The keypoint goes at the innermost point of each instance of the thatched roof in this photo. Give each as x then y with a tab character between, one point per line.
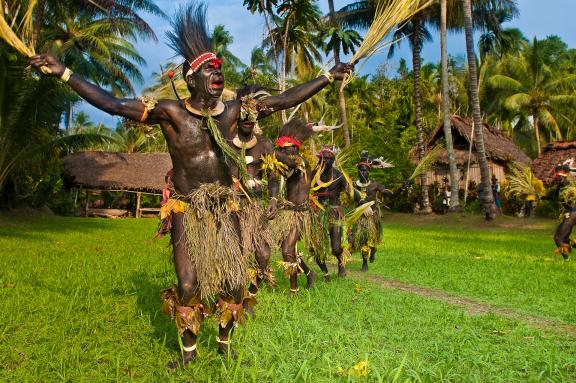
497	144
553	154
118	171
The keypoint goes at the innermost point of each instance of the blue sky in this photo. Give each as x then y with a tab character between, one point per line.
538	18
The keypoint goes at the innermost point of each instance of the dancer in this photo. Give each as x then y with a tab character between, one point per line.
367	231
203	208
329	184
294	222
564	243
255	147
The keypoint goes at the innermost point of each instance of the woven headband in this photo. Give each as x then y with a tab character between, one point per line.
198	61
284	141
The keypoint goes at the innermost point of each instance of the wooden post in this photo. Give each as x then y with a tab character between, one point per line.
138	198
86	205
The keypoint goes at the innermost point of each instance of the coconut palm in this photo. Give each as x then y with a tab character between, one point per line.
360	15
295	33
486	190
532	88
345	40
453	169
221	39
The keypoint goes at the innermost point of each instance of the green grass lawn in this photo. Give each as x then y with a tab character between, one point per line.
80	302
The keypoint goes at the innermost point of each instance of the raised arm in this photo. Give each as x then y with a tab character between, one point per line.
303	92
384	191
98	97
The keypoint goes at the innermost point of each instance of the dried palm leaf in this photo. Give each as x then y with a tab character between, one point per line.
427	161
354	215
18	37
388	15
521	182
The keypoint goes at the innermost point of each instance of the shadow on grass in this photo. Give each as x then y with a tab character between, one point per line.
147	290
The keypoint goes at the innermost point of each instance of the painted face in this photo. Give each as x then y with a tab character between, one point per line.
246	127
363	173
208	79
327	159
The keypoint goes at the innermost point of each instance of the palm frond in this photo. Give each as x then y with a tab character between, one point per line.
427	161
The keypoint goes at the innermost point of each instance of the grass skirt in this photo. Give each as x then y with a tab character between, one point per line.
256	232
367	231
212	240
288	217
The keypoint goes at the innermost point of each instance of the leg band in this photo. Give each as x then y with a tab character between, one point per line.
189	349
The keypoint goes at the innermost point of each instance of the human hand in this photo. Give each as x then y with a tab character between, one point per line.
340	70
47	64
406	185
272	208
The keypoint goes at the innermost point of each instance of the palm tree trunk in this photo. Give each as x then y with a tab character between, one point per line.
416	48
454	189
341	98
285	66
38	18
485	186
537	134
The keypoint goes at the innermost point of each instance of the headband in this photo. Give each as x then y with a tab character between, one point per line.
203	58
285	141
363	163
328	151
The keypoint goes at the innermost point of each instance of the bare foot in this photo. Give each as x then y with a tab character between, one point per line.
341	271
326	278
310	279
226	349
292	293
187	358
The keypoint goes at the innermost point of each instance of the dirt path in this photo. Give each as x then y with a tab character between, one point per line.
471	306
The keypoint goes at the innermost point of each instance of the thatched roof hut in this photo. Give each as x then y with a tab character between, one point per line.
500	150
553	154
136	172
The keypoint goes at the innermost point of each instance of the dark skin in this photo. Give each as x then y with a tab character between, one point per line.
297	191
371	191
254	168
195	157
564	230
330	196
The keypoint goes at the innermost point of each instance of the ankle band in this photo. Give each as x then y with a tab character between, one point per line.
189	349
222	341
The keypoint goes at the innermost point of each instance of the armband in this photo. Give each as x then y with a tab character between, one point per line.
149	105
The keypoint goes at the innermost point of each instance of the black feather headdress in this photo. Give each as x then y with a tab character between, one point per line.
297	129
189	36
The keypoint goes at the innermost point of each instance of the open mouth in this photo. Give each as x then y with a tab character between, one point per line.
217	84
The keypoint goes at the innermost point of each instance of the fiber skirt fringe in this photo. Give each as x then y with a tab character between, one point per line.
290	216
367	231
319	242
213	240
256	232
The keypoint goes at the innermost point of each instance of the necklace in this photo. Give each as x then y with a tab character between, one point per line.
218	109
362	185
241	144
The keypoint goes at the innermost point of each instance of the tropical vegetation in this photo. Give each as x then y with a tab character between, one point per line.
524	88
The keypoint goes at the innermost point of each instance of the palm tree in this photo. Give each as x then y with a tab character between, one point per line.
360	15
532	88
486	190
295	34
221	39
453	169
346	40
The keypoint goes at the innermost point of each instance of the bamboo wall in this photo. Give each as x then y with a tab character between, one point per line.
441	171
